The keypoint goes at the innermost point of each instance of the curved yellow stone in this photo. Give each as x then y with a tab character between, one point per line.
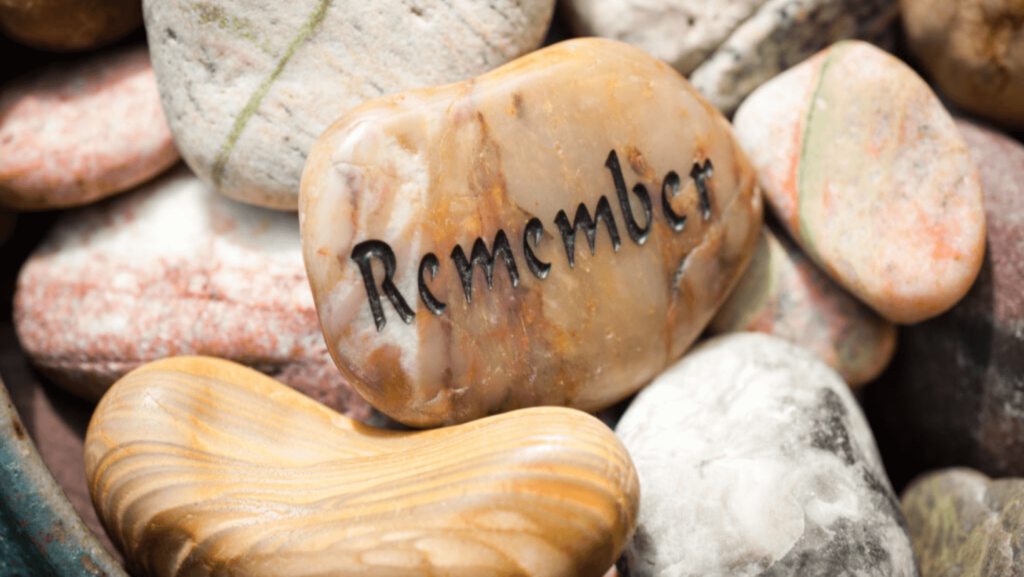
554	232
200	466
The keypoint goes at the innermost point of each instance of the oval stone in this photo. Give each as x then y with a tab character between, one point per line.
555	232
755	459
174	268
866	170
963	523
69	24
784	294
249	86
74	133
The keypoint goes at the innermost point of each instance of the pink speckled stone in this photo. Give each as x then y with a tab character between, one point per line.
72	134
174	269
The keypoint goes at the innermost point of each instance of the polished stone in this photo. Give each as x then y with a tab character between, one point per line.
449	239
754	459
784	294
866	170
69	25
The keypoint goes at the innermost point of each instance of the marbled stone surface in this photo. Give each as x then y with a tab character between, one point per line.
172	269
963	523
784	294
974	50
755	460
866	170
272	484
69	24
248	87
955	394
74	133
555	232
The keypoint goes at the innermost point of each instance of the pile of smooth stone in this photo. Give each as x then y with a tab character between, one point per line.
412	244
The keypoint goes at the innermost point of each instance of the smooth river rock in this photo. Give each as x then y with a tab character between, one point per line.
955	393
784	294
248	87
173	269
965	524
69	25
866	170
273	484
755	460
974	50
74	133
555	232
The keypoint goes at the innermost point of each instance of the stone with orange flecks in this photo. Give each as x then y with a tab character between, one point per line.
75	133
868	173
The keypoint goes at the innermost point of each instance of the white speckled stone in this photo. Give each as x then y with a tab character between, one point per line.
248	86
754	459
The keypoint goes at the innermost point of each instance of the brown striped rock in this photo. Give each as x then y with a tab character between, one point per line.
249	86
784	294
866	170
67	25
170	269
75	133
555	232
201	466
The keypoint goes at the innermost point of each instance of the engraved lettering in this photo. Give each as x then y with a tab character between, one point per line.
700	175
533	233
485	259
363	254
669	189
430	264
639	235
589	226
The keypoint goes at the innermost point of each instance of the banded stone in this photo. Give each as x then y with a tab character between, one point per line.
555	232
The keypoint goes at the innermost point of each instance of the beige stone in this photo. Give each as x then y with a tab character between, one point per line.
465	196
68	25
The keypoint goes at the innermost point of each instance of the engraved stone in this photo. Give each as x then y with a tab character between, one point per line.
554	232
784	294
74	133
754	459
963	523
249	86
866	170
174	268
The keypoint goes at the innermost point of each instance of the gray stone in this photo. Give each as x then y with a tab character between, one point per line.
754	459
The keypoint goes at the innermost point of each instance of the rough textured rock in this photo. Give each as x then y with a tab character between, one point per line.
754	459
782	34
485	197
248	87
174	269
955	392
69	24
73	133
784	294
866	170
733	46
974	49
963	523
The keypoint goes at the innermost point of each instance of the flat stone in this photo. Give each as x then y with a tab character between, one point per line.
74	133
174	269
955	394
754	459
963	523
974	50
249	87
69	25
784	294
866	170
448	238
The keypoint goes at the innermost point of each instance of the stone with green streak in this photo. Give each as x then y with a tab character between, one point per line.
965	524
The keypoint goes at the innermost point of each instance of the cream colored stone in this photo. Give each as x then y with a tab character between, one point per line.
249	86
458	170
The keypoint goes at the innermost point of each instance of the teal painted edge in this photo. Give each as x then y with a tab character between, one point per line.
40	532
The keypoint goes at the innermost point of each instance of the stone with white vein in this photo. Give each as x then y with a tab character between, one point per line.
754	459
